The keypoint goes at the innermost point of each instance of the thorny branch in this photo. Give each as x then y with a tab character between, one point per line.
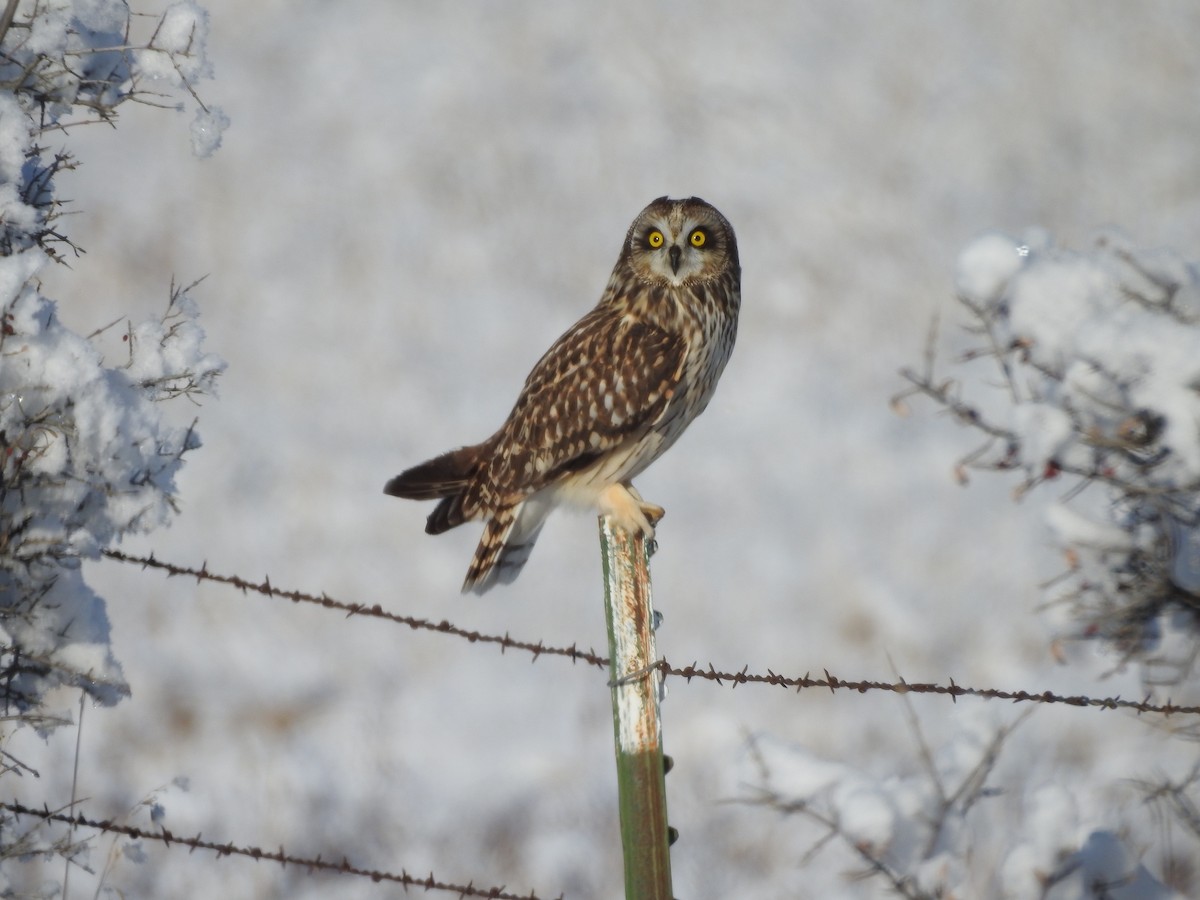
540	648
1175	796
880	860
342	867
902	884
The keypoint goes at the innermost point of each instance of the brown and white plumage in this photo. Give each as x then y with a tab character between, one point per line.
606	400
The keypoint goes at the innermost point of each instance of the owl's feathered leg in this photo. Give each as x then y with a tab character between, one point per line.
507	541
625	506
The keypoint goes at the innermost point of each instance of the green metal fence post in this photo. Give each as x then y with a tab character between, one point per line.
645	837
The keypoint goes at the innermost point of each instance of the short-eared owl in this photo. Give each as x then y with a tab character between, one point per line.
606	400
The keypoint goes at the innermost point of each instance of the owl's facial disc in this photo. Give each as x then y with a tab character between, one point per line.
675	251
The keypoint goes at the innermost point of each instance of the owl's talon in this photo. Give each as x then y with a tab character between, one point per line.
652	513
643	525
622	504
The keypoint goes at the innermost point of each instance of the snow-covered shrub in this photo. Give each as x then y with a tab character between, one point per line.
1093	383
945	830
87	452
87	457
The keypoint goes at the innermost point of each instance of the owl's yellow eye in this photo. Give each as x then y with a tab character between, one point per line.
698	237
655	239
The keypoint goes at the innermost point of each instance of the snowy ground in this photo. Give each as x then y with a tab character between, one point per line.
411	203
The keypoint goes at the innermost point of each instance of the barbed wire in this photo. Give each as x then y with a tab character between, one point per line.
830	681
952	690
505	642
281	856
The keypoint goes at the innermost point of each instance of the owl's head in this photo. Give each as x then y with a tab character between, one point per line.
680	242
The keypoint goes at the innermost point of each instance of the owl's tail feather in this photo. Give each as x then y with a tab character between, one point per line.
508	536
444	477
507	541
438	477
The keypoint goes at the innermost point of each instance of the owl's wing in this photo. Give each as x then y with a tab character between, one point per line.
606	381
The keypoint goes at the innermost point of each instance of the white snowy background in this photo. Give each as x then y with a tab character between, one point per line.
412	201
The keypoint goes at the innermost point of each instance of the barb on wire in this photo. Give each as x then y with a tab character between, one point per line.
342	867
733	679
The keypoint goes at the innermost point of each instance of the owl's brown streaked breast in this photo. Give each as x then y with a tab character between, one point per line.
706	315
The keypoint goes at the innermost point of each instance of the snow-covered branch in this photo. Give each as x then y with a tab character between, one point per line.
1094	384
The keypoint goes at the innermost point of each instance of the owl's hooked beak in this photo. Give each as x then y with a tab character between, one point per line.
674	253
